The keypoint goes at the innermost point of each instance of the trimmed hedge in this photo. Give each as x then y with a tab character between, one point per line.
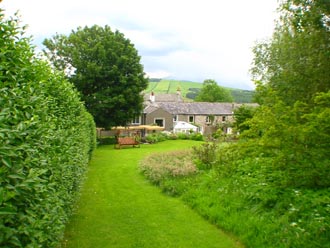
46	140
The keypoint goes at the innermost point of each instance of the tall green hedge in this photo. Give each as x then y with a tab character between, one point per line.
46	140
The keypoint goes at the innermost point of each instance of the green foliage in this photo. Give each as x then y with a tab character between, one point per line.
212	92
242	96
162	136
105	68
107	140
294	64
183	136
186	136
241	185
196	136
241	116
205	154
193	93
153	138
293	68
296	139
46	141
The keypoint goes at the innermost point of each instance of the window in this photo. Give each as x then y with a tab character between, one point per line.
160	122
223	118
136	120
191	119
208	119
175	118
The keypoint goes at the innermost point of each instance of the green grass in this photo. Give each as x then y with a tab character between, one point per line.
171	86
119	208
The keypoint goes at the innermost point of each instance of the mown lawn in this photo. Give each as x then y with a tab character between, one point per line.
118	207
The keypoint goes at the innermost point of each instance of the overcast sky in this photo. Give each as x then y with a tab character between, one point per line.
180	39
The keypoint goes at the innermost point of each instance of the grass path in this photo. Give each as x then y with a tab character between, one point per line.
119	208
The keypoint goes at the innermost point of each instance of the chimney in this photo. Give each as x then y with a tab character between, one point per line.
178	93
152	97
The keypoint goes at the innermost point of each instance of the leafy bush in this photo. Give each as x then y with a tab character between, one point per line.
205	154
107	141
296	139
46	141
151	138
172	136
158	137
183	136
196	136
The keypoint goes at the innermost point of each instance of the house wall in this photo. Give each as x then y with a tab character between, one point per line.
201	119
160	114
208	128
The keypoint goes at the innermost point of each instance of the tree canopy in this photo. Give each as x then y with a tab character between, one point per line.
242	115
212	92
295	64
105	68
293	87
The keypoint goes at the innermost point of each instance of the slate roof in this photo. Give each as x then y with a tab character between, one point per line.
150	108
192	108
173	104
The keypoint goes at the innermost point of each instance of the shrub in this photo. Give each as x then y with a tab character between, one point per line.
107	141
205	154
183	136
46	141
151	138
197	137
172	136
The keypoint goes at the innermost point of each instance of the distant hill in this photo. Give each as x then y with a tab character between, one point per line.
189	90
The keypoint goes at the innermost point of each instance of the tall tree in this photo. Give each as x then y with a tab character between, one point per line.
212	92
293	70
295	63
105	68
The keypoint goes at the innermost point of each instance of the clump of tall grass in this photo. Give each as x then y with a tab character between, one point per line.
161	166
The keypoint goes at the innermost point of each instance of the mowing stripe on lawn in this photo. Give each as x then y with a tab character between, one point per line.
120	208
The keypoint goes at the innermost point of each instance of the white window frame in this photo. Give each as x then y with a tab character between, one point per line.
193	118
135	119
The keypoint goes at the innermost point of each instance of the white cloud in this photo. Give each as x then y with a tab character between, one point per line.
186	39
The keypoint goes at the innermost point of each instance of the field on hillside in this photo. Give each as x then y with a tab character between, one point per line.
189	90
171	86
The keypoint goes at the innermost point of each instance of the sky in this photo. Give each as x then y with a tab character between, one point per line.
189	40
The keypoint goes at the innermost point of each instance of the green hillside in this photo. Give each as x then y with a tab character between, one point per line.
189	90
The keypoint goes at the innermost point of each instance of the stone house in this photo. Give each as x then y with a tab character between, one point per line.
167	109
